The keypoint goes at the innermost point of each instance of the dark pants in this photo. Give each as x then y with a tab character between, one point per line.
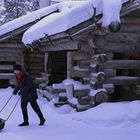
35	107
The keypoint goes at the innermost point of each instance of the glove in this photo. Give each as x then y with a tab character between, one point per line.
19	93
14	92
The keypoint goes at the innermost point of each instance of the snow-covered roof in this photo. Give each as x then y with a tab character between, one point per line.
28	18
71	14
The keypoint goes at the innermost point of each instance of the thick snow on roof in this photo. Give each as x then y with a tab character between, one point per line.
72	14
68	15
28	18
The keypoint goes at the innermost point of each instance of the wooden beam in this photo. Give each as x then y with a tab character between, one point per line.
69	65
7	76
123	80
125	48
65	46
110	72
45	65
123	64
10	59
6	67
123	37
129	7
109	88
81	56
12	45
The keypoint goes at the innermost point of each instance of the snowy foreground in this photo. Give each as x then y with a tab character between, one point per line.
109	121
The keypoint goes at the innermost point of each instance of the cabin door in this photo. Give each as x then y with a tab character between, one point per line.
57	67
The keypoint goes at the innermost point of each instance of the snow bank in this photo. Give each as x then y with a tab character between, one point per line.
108	121
122	115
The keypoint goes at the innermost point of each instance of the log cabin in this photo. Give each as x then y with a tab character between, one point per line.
105	60
13	51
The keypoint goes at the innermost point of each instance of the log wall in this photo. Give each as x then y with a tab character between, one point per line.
13	52
125	48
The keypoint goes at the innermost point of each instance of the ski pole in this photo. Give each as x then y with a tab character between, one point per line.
6	103
13	109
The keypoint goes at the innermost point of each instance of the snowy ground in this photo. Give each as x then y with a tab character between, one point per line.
109	121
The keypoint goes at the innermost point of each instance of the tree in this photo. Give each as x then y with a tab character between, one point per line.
44	3
2	10
17	8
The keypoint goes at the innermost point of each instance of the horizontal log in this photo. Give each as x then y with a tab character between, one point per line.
77	72
96	68
12	82
130	28
10	55
123	64
99	59
125	48
109	88
36	61
95	84
40	79
67	46
83	63
110	72
81	93
85	80
11	50
10	59
137	89
84	100
130	20
36	54
123	80
12	45
129	7
81	56
100	77
7	76
82	107
123	37
101	97
6	67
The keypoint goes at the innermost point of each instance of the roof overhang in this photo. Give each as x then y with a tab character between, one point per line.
80	30
18	31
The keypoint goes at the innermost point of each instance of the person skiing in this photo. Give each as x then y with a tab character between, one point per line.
26	89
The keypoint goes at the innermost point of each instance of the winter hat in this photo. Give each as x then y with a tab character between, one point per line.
17	67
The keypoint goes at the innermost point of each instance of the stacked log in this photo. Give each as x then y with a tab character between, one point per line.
98	93
10	54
